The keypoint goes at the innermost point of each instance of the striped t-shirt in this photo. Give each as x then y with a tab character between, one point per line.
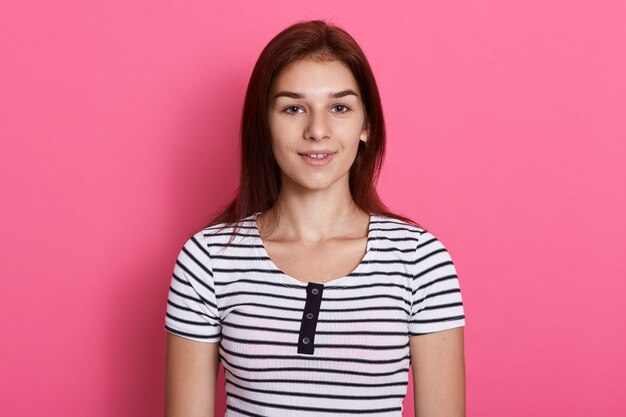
291	348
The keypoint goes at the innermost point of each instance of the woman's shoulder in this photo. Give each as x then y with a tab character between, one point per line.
218	234
412	242
392	232
396	224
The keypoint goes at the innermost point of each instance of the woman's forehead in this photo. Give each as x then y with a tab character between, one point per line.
315	77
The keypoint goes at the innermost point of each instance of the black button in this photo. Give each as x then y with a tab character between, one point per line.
314	291
305	340
309	315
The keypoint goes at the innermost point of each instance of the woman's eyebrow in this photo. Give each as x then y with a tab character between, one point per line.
338	94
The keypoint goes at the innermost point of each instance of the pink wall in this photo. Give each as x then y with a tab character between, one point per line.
118	123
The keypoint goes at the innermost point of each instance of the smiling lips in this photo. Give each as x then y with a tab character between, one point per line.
317	151
317	158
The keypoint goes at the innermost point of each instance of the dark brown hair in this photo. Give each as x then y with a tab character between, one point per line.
260	178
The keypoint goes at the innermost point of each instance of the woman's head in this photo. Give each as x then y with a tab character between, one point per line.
320	42
260	180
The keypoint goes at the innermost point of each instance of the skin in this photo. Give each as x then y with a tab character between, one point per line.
190	377
438	368
322	233
315	121
318	218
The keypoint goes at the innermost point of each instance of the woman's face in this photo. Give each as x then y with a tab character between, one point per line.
315	108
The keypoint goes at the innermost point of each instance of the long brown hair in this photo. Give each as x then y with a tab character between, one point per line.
260	178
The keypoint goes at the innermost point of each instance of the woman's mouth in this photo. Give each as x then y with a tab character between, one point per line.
317	158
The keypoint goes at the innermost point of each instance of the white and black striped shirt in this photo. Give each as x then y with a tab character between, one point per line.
291	348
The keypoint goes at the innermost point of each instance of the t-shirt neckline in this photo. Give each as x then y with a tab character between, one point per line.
259	248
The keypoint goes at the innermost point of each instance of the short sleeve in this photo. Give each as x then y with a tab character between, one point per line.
436	302
192	310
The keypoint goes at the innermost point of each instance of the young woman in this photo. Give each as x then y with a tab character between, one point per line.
313	296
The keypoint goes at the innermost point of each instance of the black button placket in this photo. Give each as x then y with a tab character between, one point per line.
309	317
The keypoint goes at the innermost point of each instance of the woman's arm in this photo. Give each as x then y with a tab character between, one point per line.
190	377
438	366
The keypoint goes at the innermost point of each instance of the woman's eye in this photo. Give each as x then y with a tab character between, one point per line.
292	108
343	108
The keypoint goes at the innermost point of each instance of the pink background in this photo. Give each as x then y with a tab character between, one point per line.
506	124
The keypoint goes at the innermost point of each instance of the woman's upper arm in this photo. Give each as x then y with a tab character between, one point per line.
190	377
193	327
438	366
436	332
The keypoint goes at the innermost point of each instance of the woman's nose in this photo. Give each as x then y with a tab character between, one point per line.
318	127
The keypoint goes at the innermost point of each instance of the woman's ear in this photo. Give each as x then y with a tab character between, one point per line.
364	135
